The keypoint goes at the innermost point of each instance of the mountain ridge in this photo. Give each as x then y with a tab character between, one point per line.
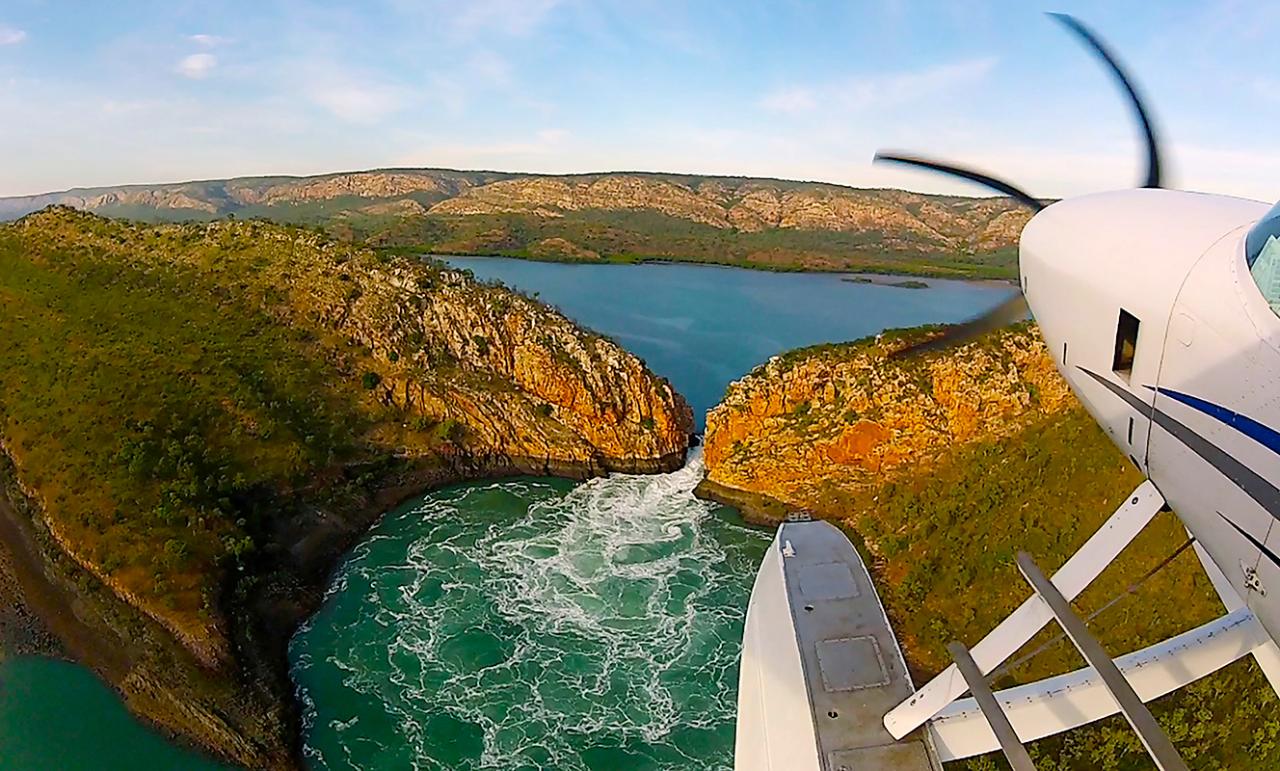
755	222
496	172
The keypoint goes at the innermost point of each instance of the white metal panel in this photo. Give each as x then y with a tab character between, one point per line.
1267	655
775	723
1068	701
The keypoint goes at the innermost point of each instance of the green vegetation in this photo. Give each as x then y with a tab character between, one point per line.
943	542
941	503
158	405
630	237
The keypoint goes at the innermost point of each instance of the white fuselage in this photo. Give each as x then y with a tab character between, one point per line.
1196	409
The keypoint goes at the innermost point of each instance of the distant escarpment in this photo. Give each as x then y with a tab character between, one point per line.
761	223
197	420
941	467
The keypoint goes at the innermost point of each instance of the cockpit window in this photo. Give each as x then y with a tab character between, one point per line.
1262	254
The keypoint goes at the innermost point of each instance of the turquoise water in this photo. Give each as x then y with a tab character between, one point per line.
532	623
56	715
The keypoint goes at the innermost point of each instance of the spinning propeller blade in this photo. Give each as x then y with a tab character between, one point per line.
1007	312
1016	306
1148	129
955	171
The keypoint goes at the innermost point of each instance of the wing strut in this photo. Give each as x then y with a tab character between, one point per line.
1067	701
1010	744
1002	642
1153	738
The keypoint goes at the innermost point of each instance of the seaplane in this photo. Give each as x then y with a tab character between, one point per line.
1161	308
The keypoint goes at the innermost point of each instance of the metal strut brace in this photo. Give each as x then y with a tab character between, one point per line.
1153	738
1010	744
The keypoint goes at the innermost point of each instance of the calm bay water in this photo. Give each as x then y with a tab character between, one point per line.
533	623
705	326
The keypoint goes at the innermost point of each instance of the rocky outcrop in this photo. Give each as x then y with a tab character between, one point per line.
846	417
755	205
942	468
520	379
561	249
404	207
554	196
386	184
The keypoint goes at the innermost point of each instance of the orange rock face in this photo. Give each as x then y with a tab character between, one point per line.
856	443
521	379
842	416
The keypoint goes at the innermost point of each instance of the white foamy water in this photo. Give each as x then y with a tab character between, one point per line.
548	625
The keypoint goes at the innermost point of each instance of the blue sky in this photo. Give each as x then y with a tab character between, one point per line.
108	93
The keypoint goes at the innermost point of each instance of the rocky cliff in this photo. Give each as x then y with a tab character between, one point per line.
197	420
759	222
845	416
753	206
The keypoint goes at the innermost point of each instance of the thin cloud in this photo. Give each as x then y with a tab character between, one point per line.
511	17
878	90
197	66
359	102
488	67
527	152
208	41
10	36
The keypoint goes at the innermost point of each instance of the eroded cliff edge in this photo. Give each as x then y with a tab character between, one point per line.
941	467
198	420
841	418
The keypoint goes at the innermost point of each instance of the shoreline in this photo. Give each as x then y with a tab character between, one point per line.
755	508
884	272
51	595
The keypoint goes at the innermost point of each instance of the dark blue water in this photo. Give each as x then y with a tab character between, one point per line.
705	326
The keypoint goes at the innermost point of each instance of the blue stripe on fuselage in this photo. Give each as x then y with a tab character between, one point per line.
1251	482
1258	432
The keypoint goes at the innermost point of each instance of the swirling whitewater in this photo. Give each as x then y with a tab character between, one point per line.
534	623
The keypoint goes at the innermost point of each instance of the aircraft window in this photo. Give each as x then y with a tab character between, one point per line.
1262	254
1126	344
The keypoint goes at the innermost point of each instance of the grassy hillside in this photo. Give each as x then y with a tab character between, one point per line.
157	408
943	467
197	419
947	573
631	237
625	216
